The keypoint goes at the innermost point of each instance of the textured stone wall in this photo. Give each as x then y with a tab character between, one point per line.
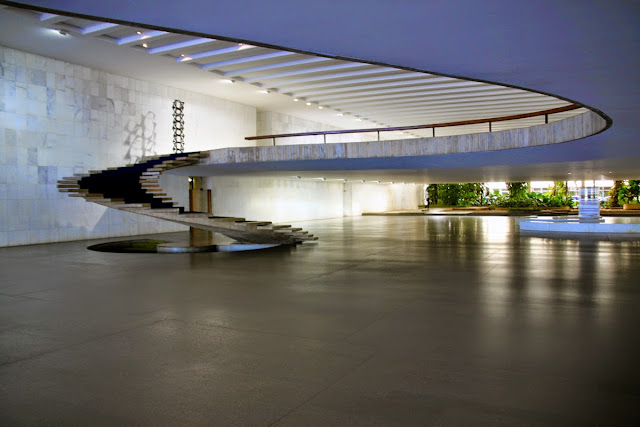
57	119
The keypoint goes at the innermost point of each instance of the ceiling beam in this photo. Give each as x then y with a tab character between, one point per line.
337	76
277	65
51	18
347	81
378	93
467	91
323	90
469	113
180	45
98	29
217	52
307	71
138	38
245	59
461	103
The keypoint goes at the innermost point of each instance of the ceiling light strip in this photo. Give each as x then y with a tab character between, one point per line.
51	18
136	38
307	71
272	66
355	95
98	29
399	81
180	45
215	65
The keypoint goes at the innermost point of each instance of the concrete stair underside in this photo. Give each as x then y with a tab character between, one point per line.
153	201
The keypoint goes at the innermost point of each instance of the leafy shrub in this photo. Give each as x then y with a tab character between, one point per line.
530	200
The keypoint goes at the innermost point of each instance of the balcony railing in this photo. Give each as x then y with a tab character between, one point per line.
433	127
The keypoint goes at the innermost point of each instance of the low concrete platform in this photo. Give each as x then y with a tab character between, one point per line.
629	227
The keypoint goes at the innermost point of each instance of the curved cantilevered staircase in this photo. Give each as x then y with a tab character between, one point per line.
136	188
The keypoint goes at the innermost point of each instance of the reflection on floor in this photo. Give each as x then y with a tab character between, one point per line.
385	320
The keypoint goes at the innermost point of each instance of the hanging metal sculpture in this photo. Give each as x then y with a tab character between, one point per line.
178	126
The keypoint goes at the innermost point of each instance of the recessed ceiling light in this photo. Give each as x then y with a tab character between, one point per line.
227	81
145	45
264	91
320	107
358	120
340	114
295	100
569	173
308	103
138	32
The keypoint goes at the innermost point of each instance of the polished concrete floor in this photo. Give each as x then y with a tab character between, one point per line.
443	321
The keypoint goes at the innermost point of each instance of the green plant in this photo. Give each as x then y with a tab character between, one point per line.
432	194
516	189
629	193
559	189
530	200
469	194
614	192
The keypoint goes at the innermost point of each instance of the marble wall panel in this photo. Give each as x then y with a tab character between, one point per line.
57	119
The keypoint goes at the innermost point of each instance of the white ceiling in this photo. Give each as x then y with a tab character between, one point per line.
344	94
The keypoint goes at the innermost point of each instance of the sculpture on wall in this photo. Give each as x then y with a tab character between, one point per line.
140	137
178	126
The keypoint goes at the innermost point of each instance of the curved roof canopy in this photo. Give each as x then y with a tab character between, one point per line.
391	64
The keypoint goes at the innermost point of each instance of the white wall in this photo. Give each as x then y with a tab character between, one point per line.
367	197
274	123
276	200
57	119
285	200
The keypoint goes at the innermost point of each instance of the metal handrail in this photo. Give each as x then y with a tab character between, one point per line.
430	126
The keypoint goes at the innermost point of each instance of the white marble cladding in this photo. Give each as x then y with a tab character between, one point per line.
57	119
569	129
274	123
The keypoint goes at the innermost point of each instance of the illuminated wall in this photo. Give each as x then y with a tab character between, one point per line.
57	119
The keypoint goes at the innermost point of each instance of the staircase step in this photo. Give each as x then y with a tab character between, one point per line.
137	205
225	219
165	210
